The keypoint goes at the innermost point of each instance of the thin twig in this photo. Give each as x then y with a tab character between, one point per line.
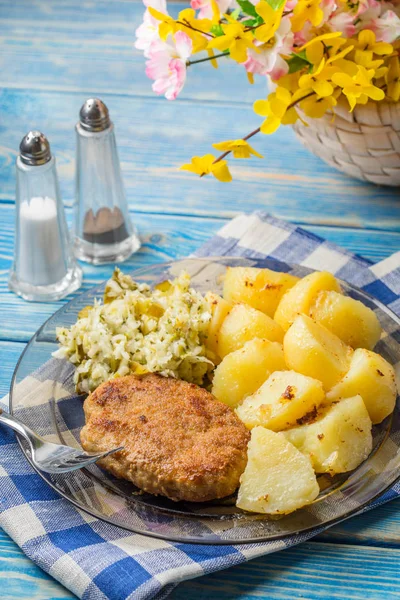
200	60
255	131
189	26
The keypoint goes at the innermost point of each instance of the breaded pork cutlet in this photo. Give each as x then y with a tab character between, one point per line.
179	441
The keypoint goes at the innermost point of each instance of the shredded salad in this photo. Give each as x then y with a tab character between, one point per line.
135	330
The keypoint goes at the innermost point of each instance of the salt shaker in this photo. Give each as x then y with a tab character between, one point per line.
103	230
44	267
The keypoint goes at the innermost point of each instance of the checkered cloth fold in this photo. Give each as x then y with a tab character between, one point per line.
96	560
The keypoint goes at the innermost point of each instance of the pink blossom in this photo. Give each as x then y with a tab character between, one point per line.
386	27
205	7
368	9
268	60
147	32
167	64
344	22
328	7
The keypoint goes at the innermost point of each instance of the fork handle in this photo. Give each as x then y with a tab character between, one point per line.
18	427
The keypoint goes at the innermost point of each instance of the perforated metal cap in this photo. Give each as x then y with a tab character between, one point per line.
35	149
94	115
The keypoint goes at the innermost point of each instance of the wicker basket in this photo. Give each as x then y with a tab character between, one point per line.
364	144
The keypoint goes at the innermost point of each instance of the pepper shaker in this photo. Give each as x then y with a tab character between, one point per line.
103	230
44	267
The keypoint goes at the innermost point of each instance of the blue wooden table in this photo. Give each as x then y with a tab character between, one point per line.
54	55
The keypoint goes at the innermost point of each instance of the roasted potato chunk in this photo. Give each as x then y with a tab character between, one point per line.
242	372
243	324
278	479
219	310
282	401
315	351
298	299
338	440
371	376
352	321
260	288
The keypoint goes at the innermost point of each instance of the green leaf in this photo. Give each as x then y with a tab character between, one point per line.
276	4
217	30
248	8
298	61
235	14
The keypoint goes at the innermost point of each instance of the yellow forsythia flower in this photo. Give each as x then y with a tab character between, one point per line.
235	39
358	87
272	19
203	165
365	48
306	10
239	148
316	107
276	110
167	23
318	80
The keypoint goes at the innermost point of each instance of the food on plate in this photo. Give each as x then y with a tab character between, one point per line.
313	350
352	321
260	288
137	329
244	323
371	376
339	438
219	310
285	399
179	441
243	371
289	359
278	478
299	298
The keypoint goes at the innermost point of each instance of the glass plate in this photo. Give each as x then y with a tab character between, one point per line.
42	395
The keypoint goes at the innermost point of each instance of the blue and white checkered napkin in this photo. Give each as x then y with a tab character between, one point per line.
96	560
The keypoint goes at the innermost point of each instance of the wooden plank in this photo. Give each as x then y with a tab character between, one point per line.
314	571
21	578
10	353
164	238
291	184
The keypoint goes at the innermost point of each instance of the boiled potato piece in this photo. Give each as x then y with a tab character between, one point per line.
339	440
219	310
243	324
278	479
371	376
242	372
315	351
260	288
284	399
352	321
298	299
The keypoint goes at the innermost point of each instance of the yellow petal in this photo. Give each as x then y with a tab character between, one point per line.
283	95
213	61
290	117
342	79
383	48
315	53
324	36
339	55
262	108
250	77
226	146
374	92
316	16
221	42
366	37
221	172
238	51
270	125
323	88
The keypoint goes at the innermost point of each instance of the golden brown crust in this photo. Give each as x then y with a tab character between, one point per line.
179	441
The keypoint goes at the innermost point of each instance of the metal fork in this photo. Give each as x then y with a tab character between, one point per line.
49	457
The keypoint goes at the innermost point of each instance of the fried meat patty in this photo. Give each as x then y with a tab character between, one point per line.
179	441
